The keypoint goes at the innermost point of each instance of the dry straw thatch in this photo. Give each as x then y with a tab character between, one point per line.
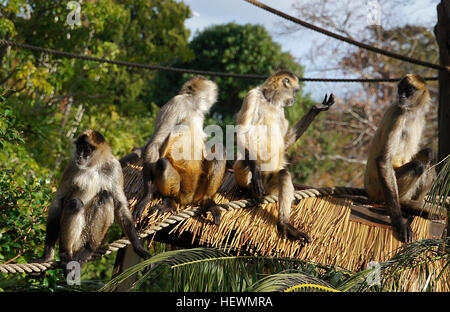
344	234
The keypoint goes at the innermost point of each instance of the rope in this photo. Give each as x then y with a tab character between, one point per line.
35	267
70	55
346	39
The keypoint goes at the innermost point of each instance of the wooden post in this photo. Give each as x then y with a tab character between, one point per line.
442	33
125	258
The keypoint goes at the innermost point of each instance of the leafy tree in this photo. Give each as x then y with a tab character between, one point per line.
47	100
56	96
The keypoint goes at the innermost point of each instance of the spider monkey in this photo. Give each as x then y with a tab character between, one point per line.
263	169
191	178
397	172
89	198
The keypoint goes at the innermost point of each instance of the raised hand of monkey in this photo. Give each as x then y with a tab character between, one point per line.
326	103
300	127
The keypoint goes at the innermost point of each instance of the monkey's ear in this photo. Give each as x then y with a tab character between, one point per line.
286	82
190	89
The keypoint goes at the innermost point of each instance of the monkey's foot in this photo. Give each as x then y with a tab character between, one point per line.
257	186
140	207
403	230
210	205
216	213
161	208
290	232
43	259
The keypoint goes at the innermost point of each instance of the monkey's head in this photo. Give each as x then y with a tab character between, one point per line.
280	88
202	91
412	91
90	147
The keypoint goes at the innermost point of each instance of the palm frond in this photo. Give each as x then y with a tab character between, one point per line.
211	269
439	192
291	282
174	257
422	263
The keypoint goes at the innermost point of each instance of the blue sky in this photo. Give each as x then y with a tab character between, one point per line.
212	12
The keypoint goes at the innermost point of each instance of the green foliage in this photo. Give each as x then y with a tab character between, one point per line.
211	269
48	100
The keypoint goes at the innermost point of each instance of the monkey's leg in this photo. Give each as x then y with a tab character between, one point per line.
100	216
167	182
52	230
214	170
408	175
242	174
286	196
73	223
427	178
248	176
414	180
389	185
148	191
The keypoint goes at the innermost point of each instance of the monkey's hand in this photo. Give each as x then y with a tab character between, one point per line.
326	104
257	184
403	229
290	232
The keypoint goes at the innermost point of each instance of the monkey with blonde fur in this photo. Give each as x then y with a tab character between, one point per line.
185	177
264	137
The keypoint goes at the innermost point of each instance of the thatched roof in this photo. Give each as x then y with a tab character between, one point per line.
344	233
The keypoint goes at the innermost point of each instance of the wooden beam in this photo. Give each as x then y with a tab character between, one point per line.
442	33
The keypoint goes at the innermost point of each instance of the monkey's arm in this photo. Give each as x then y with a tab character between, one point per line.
388	183
54	215
135	154
122	214
300	127
168	117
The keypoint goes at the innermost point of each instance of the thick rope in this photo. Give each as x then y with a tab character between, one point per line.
70	55
346	39
185	214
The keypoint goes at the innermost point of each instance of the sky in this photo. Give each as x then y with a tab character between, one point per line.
211	12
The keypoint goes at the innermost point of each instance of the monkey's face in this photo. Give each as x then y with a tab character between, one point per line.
84	152
280	89
412	91
406	92
288	90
